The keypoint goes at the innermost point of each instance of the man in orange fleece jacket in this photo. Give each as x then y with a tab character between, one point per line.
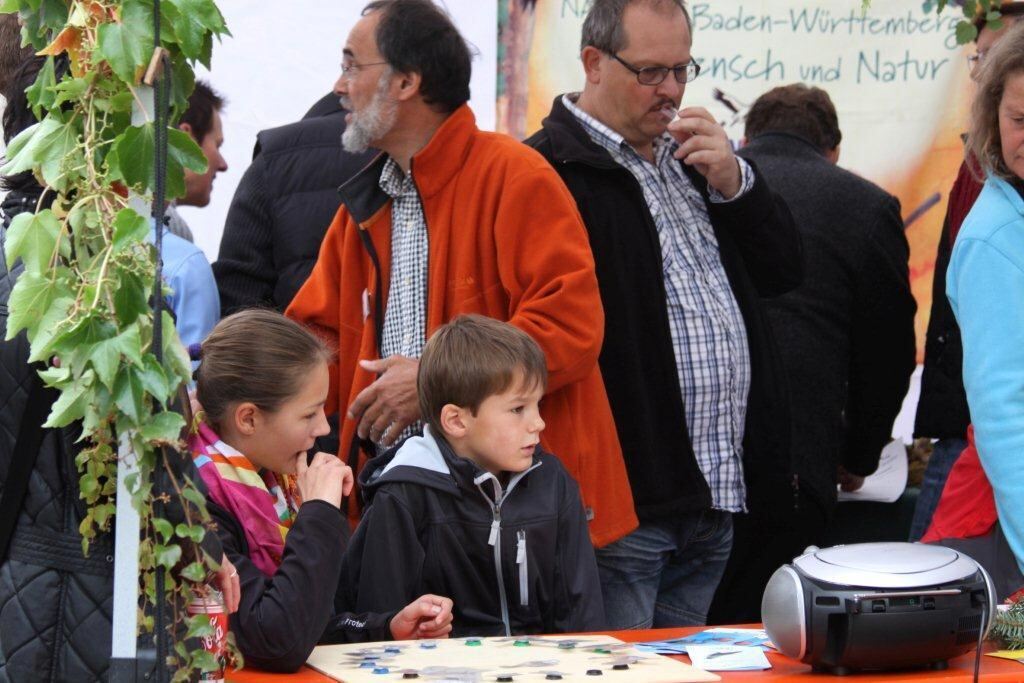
450	220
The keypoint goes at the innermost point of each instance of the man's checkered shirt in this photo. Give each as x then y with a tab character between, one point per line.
709	337
405	316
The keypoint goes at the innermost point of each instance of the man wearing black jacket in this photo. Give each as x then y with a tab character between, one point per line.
846	335
684	251
282	208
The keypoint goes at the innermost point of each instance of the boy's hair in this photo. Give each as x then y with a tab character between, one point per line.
471	358
256	356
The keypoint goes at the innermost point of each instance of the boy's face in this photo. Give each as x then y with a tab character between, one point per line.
505	431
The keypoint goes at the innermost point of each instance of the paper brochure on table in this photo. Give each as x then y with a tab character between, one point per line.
888	482
742	637
517	660
728	658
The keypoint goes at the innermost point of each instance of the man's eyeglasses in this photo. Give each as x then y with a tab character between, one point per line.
350	69
655	75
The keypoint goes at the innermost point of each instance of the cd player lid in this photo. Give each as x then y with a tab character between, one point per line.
886	565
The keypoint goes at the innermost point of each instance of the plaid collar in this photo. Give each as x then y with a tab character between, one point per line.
394	181
610	140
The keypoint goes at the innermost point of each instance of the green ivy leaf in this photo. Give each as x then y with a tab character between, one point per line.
49	329
103	514
167	555
105	356
97	412
51	145
163	427
38	143
128	394
183	152
154	381
192	20
41	95
199	625
32	237
41	17
194	497
72	89
129	228
31	297
965	32
163	527
176	358
205	660
89	330
121	102
131	299
128	44
70	405
105	359
88	487
194	572
132	158
195	533
53	376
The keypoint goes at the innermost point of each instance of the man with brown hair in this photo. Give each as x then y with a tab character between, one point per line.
845	336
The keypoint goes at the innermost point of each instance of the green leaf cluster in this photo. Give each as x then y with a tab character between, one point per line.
87	272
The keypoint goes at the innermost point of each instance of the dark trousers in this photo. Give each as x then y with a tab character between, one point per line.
770	535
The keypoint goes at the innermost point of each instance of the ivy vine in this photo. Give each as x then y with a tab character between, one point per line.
89	269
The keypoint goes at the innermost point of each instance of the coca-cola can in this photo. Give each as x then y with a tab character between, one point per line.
211	606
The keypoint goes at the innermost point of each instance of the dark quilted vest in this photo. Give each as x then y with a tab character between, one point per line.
55	605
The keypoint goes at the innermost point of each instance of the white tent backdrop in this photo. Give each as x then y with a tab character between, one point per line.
282	58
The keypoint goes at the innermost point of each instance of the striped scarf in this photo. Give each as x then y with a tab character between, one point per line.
264	503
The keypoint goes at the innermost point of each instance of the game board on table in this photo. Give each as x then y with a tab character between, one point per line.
524	659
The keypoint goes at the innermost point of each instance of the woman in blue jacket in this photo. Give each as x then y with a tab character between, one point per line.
985	286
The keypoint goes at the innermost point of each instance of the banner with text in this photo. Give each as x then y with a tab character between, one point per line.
896	75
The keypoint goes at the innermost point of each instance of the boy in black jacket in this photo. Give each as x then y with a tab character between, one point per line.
474	509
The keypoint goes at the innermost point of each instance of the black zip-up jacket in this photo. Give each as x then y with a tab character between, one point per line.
282	208
760	250
280	619
513	561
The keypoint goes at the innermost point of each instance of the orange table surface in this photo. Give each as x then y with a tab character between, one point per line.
783	668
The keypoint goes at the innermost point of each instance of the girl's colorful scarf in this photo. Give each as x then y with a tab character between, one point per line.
264	504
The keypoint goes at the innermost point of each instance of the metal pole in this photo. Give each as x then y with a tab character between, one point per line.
127	664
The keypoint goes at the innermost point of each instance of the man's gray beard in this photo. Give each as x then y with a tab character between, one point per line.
371	124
